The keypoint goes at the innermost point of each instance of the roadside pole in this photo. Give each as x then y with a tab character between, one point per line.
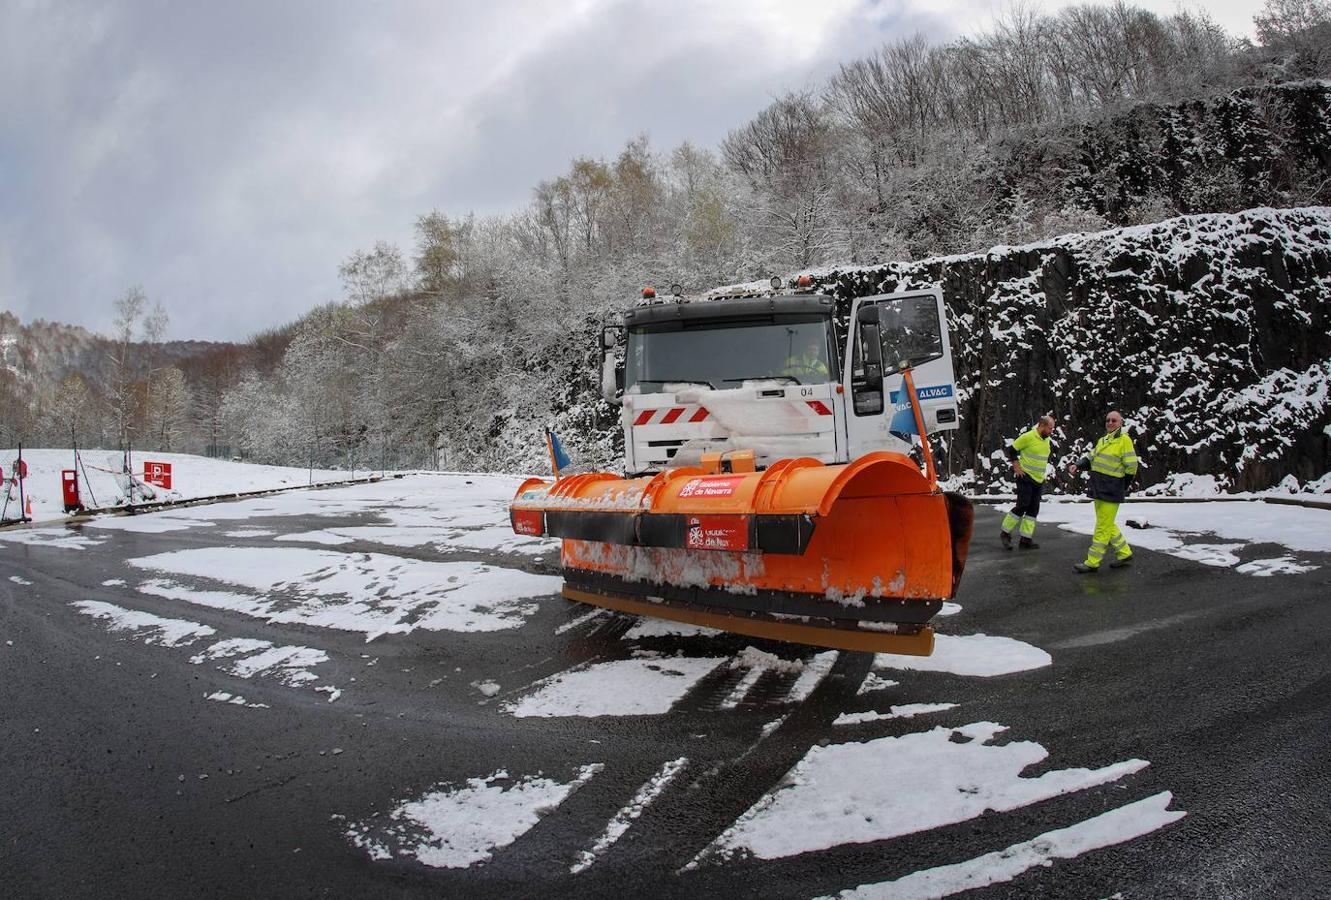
22	499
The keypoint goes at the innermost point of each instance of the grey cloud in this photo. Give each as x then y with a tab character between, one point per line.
228	156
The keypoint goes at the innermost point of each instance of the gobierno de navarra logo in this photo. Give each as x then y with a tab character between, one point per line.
709	487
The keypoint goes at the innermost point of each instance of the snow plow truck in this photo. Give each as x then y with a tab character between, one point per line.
770	483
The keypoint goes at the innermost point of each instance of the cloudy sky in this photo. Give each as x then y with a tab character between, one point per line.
228	156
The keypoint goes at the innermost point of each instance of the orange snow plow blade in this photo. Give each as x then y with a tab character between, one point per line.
856	556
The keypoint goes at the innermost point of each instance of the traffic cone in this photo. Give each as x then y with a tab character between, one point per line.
27	511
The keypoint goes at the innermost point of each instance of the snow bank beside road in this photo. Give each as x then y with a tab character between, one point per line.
192	476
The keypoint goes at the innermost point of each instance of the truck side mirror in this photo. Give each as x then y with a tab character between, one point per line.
612	379
612	369
871	348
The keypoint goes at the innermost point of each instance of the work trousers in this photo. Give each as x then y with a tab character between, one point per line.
1107	536
1027	509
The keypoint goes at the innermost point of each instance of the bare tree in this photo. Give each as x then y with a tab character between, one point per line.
1301	29
374	274
123	364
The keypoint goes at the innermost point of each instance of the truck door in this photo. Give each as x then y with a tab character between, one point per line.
886	331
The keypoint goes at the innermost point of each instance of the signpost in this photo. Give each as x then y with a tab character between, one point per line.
158	473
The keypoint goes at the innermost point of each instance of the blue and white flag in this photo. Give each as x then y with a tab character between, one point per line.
558	458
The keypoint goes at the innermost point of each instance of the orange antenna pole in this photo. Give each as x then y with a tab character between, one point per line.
929	470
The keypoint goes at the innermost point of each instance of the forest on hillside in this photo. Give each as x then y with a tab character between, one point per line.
455	352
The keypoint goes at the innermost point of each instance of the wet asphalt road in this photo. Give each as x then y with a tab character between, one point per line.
1221	681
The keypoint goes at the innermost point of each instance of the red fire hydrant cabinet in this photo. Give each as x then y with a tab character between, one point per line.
69	484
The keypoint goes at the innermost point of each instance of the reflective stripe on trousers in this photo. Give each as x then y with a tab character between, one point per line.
1107	536
1027	525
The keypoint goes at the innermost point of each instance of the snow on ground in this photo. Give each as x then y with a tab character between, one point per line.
447	512
59	538
626	816
457	827
147	627
371	593
904	711
815	670
1191	530
640	687
1105	830
970	654
234	700
191	476
885	788
1285	565
244	657
458	512
873	682
251	658
649	628
593	615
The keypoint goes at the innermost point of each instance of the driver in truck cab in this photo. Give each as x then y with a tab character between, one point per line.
810	365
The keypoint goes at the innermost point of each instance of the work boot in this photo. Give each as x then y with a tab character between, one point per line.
1084	569
1120	563
1006	539
1028	544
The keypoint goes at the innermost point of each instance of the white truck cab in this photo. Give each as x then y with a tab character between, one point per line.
767	373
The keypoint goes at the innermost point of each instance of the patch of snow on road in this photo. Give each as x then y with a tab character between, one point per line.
150	522
873	682
892	786
1219	555
59	538
949	608
1105	830
234	700
904	711
1284	565
457	827
815	670
114	582
626	687
367	592
20	580
169	590
970	654
650	628
626	816
326	537
254	658
167	632
446	513
757	663
580	620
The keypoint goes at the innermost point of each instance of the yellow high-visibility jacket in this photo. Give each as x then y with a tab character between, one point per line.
1032	451
1113	465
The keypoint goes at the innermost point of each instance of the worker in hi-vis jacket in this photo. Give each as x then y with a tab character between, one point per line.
1030	458
1113	465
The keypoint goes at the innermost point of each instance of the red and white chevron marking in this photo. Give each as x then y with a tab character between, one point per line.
668	415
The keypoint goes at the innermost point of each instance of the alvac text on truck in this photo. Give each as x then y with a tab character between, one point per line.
769	487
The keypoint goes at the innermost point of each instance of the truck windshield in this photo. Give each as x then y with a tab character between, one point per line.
724	355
